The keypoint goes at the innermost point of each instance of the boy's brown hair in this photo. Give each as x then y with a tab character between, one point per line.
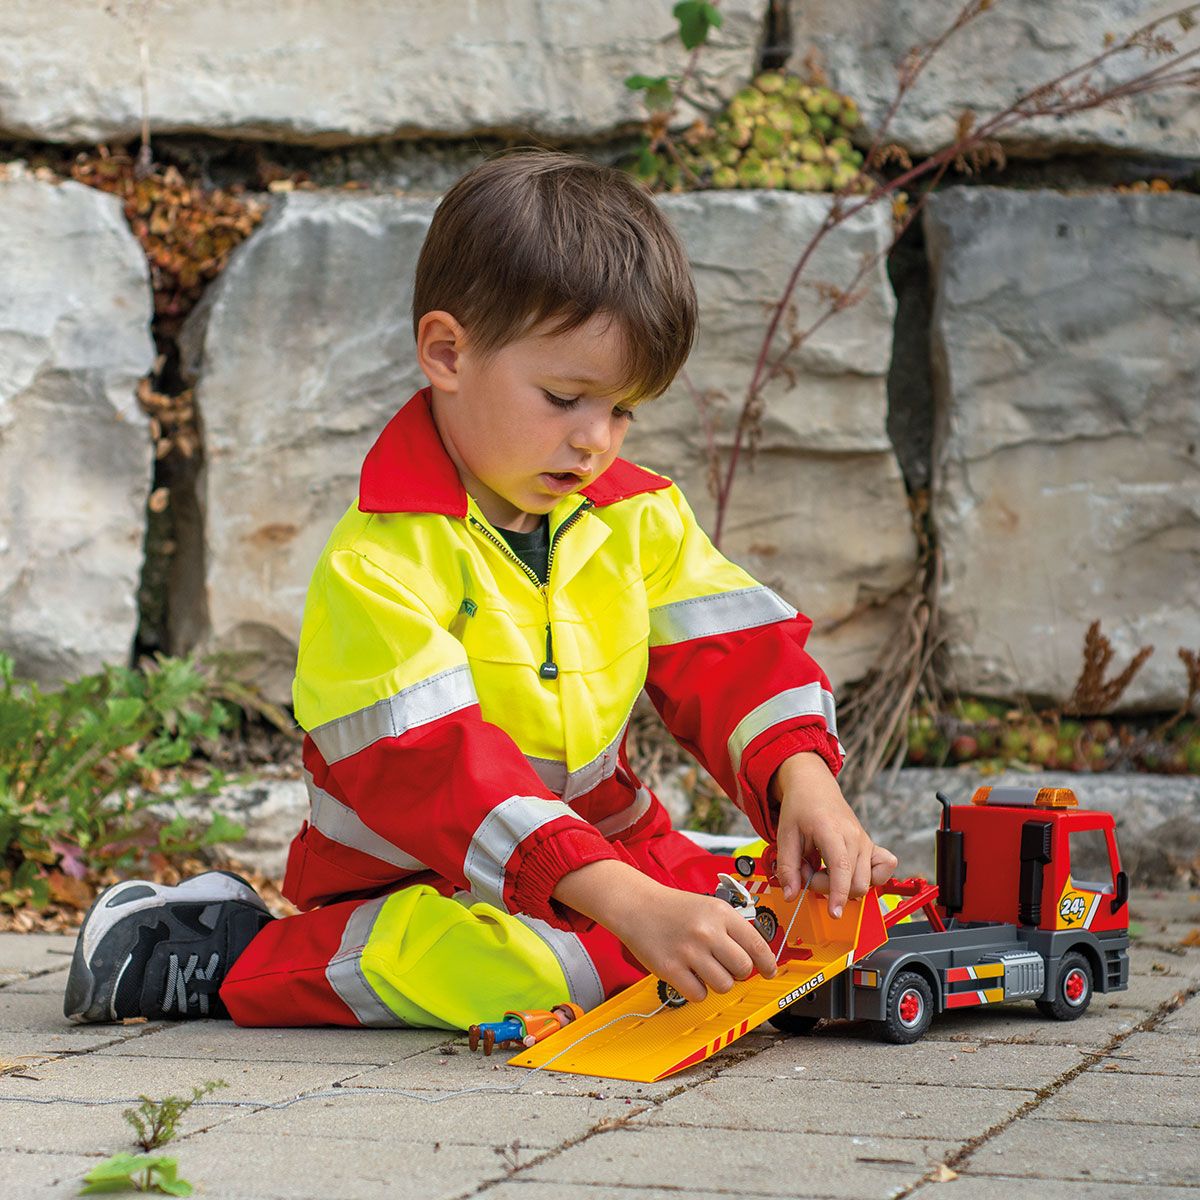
538	236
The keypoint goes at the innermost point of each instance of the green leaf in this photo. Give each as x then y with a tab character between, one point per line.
157	1173
115	1170
659	94
223	829
696	18
124	711
166	1179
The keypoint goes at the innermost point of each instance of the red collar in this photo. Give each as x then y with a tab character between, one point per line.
408	470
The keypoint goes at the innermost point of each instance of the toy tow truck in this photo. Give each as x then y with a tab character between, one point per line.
1030	903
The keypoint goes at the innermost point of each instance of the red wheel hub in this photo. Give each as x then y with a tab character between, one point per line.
1074	986
910	1007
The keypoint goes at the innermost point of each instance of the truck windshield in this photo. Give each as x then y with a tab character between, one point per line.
1091	868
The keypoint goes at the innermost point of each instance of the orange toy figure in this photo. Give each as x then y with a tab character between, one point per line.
525	1027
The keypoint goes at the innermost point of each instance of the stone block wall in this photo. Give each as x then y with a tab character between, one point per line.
1064	377
75	457
1066	348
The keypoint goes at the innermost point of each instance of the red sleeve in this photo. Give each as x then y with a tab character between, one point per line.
728	670
742	703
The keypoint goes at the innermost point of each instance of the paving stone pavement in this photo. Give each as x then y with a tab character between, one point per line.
991	1104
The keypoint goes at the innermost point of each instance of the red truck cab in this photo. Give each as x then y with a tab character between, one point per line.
1037	859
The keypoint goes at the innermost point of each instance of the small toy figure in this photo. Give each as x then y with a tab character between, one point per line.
736	895
525	1027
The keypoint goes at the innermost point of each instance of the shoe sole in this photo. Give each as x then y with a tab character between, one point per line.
100	956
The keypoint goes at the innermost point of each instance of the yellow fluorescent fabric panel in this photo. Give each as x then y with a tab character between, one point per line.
437	963
399	600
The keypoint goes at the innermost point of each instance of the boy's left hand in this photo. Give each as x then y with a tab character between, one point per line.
816	824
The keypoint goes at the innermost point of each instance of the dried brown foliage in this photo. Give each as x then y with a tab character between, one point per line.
187	231
1093	693
172	420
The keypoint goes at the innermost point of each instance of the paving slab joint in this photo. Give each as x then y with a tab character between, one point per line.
959	1159
606	1125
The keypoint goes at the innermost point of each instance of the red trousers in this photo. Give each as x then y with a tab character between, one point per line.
428	956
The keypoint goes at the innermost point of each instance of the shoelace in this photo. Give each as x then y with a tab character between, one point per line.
178	979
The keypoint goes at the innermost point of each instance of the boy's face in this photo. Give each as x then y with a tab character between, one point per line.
533	422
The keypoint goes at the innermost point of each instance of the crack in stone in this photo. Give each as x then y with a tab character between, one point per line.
1091	1057
608	1124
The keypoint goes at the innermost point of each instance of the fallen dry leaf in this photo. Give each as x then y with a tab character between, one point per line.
76	893
1191	938
943	1174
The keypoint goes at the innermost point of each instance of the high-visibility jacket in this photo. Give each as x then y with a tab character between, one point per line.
465	725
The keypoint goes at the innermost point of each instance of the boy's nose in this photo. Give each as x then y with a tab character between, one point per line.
593	435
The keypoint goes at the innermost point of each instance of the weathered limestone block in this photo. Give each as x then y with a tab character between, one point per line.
1007	51
325	73
823	515
75	452
292	394
1066	344
304	350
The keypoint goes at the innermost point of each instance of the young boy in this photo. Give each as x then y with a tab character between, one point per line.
476	633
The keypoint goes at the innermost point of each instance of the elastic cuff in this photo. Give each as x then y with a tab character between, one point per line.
763	761
542	867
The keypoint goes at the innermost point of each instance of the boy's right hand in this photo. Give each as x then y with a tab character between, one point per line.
693	942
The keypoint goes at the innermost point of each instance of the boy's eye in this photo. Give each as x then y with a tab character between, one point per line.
571	401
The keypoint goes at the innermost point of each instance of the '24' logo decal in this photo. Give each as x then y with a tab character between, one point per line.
1072	908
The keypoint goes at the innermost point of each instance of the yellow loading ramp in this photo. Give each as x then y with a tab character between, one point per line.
644	1045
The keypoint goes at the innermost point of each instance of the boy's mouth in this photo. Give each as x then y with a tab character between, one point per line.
562	481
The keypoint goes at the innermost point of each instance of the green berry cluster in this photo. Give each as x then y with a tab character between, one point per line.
778	133
994	736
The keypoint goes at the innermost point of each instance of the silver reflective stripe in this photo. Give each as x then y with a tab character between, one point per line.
498	835
343	825
437	696
345	973
551	771
807	701
722	612
583	980
628	816
572	784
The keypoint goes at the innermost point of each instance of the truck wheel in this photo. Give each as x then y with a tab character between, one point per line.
909	1009
793	1023
744	865
766	922
669	996
1072	989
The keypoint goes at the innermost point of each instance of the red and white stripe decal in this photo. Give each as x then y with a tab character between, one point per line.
965	999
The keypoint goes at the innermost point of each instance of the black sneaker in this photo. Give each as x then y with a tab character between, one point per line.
147	950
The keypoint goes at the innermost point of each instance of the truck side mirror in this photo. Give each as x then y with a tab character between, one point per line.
1121	895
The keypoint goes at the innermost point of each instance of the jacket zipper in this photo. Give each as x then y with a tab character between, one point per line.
548	669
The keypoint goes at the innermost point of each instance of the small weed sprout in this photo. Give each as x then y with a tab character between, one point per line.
156	1121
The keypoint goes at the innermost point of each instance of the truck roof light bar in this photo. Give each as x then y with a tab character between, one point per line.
1011	797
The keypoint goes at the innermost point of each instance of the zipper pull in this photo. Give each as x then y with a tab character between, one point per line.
549	669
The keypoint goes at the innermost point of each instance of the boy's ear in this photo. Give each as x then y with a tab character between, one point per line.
440	341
